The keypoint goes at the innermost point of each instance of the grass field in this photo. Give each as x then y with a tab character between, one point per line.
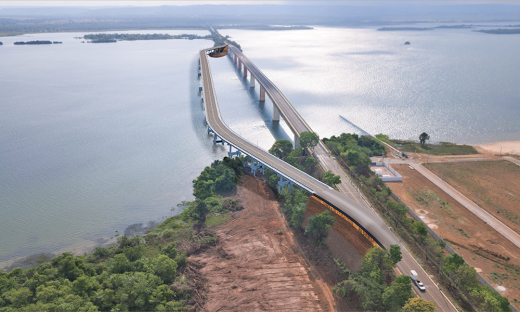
443	148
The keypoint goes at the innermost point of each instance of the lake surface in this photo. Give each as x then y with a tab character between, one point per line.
97	137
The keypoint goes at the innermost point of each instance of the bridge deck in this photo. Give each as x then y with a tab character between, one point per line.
361	215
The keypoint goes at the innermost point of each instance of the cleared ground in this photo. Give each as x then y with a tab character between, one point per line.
257	264
498	183
480	245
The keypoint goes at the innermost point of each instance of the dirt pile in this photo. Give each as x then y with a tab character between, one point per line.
256	265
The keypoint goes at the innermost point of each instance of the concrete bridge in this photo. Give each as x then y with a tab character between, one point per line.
362	217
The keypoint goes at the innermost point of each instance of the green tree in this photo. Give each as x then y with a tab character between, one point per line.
318	226
203	189
420	228
18	297
396	295
120	264
281	148
171	250
331	179
133	253
309	162
418	305
309	139
453	262
201	210
353	157
165	268
423	137
395	254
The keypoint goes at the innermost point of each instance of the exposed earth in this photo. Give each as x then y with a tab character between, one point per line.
492	255
258	263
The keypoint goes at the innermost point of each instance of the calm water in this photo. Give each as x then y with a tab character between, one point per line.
96	137
455	84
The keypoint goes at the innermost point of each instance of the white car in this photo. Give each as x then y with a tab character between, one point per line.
420	285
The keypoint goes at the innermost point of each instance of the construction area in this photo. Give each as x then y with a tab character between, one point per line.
490	253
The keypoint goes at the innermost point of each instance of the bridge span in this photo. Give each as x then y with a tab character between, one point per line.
363	218
373	227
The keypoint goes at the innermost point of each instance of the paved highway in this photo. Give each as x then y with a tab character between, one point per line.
365	217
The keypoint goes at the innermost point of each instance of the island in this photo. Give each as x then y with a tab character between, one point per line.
407	43
96	38
57	42
500	31
1	43
33	42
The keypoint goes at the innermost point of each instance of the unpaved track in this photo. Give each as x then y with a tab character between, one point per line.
255	266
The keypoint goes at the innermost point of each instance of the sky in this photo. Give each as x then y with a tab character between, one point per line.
98	3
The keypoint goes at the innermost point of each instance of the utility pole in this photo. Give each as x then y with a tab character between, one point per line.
442	174
415	154
428	157
478	200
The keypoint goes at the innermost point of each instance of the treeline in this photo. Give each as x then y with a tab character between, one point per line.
33	42
500	31
132	37
355	150
376	287
139	273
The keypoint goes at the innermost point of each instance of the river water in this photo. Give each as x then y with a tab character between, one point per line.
97	137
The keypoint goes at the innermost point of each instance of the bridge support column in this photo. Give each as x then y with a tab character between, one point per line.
234	58
256	165
252	82
283	183
262	93
296	141
231	154
276	113
239	64
245	71
216	139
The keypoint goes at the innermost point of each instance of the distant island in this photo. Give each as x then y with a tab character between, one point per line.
33	42
454	26
500	31
403	28
263	27
101	38
1	43
57	42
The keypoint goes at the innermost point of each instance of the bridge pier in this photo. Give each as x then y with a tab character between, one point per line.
252	82
231	154
234	58
276	113
245	71
262	93
283	183
240	64
296	141
256	165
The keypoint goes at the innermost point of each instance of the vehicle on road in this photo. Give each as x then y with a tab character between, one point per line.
413	276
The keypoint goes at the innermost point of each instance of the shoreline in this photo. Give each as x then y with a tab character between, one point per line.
499	148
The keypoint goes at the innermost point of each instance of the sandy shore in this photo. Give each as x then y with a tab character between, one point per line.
510	147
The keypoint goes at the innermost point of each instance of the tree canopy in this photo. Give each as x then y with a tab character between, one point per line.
281	148
309	139
318	226
423	137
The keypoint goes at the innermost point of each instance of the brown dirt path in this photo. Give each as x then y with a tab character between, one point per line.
256	265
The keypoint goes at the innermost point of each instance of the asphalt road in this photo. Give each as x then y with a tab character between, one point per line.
360	212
